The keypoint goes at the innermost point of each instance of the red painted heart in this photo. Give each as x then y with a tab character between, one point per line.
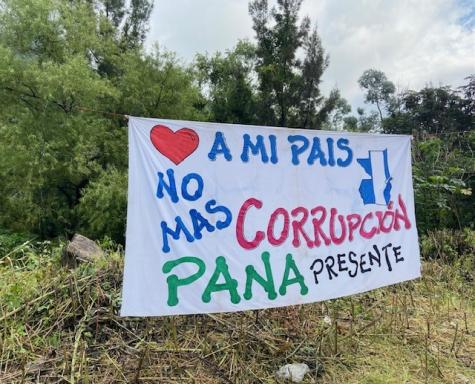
177	146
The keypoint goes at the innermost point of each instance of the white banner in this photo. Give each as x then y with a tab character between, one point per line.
231	217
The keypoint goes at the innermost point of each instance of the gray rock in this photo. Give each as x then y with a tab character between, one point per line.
80	250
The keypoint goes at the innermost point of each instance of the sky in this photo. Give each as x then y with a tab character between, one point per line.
415	42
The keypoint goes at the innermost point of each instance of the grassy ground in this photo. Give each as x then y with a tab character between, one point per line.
61	326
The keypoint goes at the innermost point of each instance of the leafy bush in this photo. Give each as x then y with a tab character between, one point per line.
103	206
68	70
443	182
9	241
454	247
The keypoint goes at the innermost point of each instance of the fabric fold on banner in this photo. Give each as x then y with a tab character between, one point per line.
226	217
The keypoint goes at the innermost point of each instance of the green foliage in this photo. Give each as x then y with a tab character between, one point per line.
456	248
288	87
135	25
228	81
10	241
103	205
379	90
58	60
442	122
69	69
268	83
449	245
432	110
365	122
156	85
444	170
128	19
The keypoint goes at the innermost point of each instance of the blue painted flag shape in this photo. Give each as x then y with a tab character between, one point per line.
377	188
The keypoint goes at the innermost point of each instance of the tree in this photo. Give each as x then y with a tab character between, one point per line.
49	152
379	90
288	86
442	122
432	110
129	20
135	26
227	81
468	92
336	119
156	85
59	61
363	123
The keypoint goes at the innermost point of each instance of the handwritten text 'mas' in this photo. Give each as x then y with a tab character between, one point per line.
191	189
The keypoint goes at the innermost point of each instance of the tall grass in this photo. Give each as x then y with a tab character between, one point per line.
61	326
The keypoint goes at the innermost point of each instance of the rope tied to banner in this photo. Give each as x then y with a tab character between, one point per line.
114	114
420	134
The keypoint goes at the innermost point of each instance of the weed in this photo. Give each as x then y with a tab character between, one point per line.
59	325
